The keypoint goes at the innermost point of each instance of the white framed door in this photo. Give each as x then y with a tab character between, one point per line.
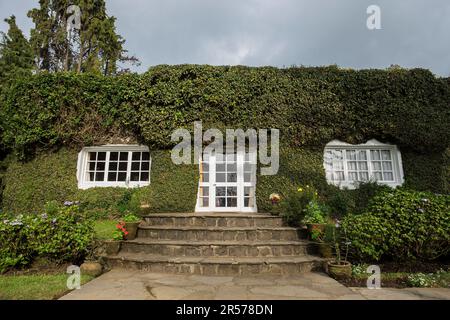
227	183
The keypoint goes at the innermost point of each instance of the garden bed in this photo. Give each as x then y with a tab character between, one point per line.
404	275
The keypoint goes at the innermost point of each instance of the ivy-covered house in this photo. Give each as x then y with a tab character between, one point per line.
106	141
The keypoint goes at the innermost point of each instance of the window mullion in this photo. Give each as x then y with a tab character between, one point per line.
344	161
105	179
128	178
369	164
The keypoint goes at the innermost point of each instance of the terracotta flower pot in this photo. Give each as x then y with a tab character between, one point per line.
131	228
112	247
325	250
339	271
315	226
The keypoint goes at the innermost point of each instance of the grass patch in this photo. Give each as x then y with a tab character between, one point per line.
104	229
35	287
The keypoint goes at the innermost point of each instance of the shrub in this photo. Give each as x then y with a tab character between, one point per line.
315	212
364	193
402	225
62	236
295	204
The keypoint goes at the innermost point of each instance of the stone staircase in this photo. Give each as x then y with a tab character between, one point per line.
217	244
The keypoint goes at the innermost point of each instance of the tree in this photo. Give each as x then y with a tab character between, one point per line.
16	56
94	47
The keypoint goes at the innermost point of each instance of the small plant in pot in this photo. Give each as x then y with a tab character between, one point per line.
275	199
339	267
322	239
315	216
112	246
132	222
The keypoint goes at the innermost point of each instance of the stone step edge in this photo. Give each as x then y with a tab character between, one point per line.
215	260
210	215
201	228
147	241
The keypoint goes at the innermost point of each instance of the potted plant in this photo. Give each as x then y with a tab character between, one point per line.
323	245
315	216
112	246
339	268
131	225
275	199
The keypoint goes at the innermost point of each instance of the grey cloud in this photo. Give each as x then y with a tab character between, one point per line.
415	33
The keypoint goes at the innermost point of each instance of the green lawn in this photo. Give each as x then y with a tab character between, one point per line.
104	229
35	287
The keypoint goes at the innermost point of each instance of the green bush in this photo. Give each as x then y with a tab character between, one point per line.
401	225
62	236
315	212
296	203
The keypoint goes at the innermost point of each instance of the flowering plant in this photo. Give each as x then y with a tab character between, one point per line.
120	233
275	198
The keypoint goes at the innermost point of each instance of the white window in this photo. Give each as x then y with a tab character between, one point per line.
113	166
346	165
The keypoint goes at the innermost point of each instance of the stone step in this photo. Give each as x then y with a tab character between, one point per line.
215	265
213	220
219	248
219	233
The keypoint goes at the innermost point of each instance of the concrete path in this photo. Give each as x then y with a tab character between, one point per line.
136	285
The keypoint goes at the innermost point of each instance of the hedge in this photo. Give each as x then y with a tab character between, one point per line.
52	176
311	106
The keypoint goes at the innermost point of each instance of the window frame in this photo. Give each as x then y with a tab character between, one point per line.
396	158
83	160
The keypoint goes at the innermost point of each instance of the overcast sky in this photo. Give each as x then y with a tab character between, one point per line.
414	33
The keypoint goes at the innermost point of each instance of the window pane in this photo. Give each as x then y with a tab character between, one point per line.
91	166
375	154
112	176
247	177
353	176
145	166
91	176
134	176
232	167
135	166
101	156
122	176
377	175
92	155
362	165
220	177
113	166
351	155
145	156
205	166
220	191
247	167
220	202
99	176
337	154
231	202
247	202
136	156
376	165
205	177
388	176
231	177
205	202
124	156
220	167
114	156
232	191
204	191
100	166
362	155
123	166
363	176
144	176
339	175
385	155
352	165
387	166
